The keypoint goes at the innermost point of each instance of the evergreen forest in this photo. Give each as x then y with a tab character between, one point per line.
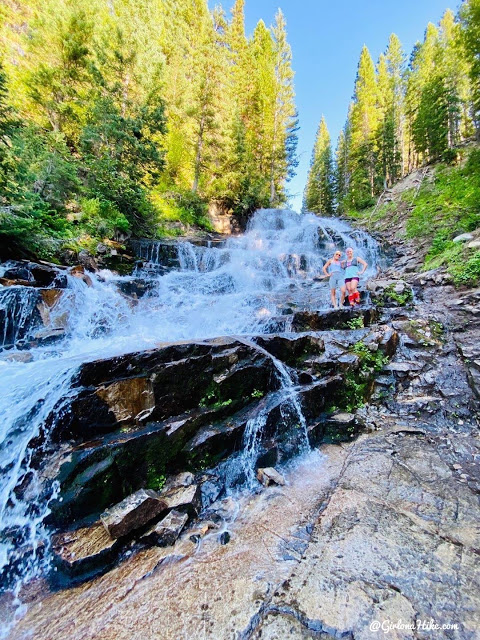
130	117
407	114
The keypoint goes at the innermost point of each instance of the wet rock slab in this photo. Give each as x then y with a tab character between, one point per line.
164	382
84	550
385	548
334	319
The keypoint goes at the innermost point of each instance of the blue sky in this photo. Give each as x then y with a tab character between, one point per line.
326	39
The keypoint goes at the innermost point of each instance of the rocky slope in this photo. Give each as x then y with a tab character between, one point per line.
377	532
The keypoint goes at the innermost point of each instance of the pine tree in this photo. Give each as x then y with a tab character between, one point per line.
391	126
430	98
285	126
319	191
364	124
341	177
54	75
470	41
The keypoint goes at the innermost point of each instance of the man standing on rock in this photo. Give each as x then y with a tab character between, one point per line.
337	278
352	276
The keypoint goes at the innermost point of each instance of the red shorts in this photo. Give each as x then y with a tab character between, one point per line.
350	279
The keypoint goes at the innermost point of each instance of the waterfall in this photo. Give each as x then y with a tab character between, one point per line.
245	462
244	287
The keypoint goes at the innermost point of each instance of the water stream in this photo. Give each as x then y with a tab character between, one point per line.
241	287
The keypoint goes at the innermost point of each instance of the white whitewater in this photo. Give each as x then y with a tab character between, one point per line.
239	288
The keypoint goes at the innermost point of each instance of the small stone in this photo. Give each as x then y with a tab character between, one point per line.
133	512
166	532
79	272
183	498
199	532
269	475
24	356
457	466
224	537
463	237
403	367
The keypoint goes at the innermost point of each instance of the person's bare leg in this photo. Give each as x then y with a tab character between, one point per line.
342	295
350	292
355	291
333	295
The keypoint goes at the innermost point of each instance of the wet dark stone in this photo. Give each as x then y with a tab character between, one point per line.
136	288
270	457
176	378
18	273
291	349
334	319
163	253
44	275
224	538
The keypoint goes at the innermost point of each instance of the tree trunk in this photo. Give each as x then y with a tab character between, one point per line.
198	155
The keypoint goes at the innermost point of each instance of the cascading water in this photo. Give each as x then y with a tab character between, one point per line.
17	314
246	287
244	464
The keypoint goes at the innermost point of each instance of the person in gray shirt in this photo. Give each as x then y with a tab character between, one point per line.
333	268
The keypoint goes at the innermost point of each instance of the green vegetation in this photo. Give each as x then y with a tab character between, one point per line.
156	481
213	398
319	191
428	333
358	382
390	296
444	209
355	323
130	121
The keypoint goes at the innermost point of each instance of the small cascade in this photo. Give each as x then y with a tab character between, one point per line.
244	465
24	495
201	259
18	314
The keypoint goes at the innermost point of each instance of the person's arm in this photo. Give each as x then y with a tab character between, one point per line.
325	267
365	265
